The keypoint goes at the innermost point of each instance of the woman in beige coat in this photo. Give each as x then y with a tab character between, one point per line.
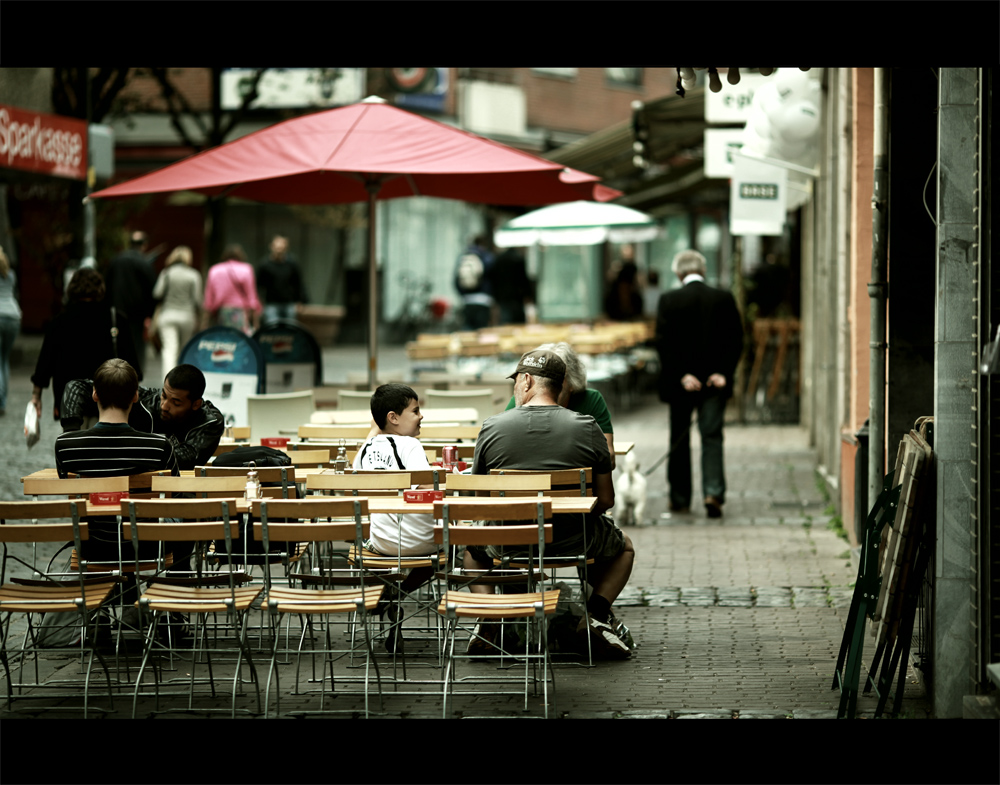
178	290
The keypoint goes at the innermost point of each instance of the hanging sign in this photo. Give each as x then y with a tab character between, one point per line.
720	144
44	143
731	105
758	197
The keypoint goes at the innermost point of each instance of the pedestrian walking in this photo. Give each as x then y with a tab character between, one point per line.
179	291
231	293
279	282
88	331
511	286
10	324
699	336
129	283
472	280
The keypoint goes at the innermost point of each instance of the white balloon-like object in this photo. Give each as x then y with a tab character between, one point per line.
783	123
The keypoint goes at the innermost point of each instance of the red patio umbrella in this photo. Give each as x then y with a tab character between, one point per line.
364	152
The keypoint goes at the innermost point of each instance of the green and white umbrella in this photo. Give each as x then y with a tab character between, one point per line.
577	223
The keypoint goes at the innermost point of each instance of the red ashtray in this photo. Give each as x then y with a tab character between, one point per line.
108	497
278	442
423	497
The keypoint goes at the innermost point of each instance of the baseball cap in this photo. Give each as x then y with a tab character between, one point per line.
541	362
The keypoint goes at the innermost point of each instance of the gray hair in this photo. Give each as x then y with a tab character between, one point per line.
688	262
576	373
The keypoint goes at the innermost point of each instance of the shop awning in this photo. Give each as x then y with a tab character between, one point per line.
670	132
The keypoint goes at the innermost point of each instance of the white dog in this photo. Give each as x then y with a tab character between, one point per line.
630	492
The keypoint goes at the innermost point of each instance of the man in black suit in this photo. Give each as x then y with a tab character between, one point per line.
699	335
130	281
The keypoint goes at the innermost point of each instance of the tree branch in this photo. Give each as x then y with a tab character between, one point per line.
104	90
251	96
171	95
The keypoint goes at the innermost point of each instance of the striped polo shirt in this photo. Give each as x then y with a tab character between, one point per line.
112	449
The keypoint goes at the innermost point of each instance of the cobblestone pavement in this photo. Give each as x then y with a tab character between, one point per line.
740	617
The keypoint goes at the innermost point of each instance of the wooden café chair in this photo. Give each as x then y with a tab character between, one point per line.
79	594
534	606
201	521
323	521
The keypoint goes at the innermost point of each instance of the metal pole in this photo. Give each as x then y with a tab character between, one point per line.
89	227
878	287
373	188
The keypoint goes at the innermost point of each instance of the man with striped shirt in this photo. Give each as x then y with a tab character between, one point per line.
113	448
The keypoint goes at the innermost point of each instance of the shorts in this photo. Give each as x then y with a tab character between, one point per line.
368	545
605	541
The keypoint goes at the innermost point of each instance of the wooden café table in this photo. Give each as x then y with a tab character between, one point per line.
396	504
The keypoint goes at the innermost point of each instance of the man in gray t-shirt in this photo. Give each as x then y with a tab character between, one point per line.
541	435
545	438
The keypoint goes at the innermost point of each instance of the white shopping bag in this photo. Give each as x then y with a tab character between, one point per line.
31	425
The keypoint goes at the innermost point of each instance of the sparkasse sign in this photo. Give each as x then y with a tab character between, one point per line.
43	143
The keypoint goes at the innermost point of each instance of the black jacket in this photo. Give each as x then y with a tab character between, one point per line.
194	440
77	341
698	331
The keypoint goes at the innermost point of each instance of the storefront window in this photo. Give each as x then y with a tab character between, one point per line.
569	283
624	76
567	73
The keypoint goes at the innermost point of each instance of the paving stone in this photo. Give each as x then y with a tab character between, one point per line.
841	598
773	597
630	596
805	597
811	714
698	596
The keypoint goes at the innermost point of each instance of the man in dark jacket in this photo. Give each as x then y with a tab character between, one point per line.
279	282
130	281
191	424
699	335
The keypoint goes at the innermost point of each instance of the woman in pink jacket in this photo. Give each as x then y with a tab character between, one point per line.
231	293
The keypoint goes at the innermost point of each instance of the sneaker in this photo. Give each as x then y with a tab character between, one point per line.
484	639
605	642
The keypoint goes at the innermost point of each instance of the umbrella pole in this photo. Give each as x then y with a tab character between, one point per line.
373	188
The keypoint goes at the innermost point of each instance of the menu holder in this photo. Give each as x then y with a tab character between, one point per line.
423	496
108	497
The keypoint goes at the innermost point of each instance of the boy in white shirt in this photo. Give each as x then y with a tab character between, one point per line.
393	444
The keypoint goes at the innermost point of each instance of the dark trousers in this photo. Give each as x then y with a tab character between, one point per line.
711	407
476	316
